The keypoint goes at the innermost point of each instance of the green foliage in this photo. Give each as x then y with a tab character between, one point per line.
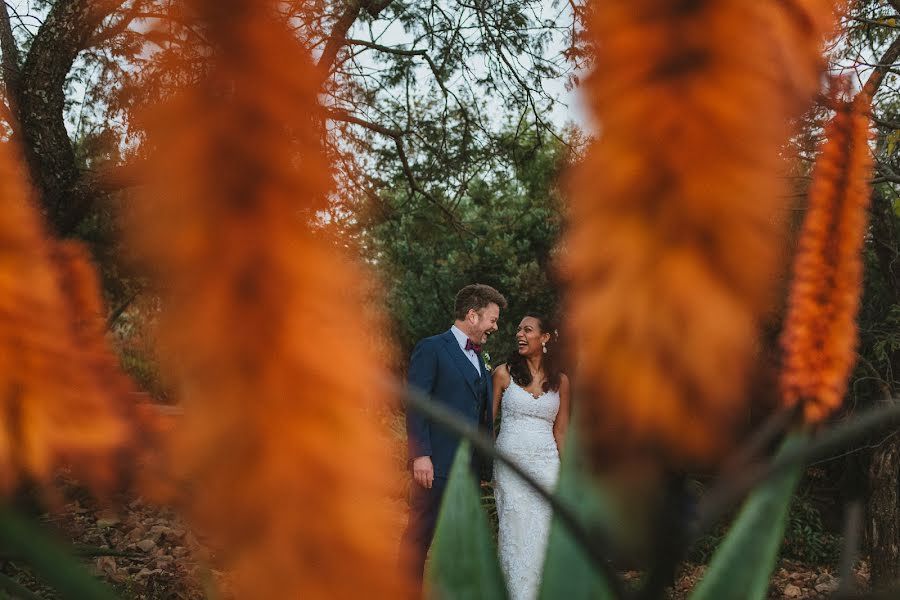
509	222
489	506
806	538
136	345
886	342
701	552
746	557
464	560
144	370
873	29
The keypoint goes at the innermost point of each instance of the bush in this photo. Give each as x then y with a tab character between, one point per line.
806	538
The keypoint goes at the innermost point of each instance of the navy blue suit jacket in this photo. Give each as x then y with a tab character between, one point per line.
439	368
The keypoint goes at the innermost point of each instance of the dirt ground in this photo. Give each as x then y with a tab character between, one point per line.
149	554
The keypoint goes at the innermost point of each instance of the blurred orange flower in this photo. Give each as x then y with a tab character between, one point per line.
675	227
820	336
60	390
264	325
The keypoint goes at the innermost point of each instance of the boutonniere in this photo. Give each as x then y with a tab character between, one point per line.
486	357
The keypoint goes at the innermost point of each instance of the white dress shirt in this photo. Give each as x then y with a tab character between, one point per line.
470	354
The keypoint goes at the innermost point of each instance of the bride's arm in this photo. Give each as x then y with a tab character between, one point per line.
562	417
500	380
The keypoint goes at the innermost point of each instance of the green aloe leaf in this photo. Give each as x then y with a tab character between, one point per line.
49	559
743	563
464	560
568	570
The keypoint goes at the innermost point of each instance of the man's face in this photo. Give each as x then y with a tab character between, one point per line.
484	322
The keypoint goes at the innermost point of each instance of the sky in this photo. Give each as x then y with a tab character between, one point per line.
568	109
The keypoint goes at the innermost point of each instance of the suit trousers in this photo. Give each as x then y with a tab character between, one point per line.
425	504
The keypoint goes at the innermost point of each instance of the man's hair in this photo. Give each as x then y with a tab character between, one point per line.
476	297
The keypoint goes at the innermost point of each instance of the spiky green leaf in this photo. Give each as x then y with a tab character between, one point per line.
744	561
464	561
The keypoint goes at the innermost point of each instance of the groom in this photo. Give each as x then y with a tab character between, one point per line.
448	368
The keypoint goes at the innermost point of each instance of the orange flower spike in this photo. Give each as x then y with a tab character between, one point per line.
819	337
265	327
674	243
55	409
27	293
114	399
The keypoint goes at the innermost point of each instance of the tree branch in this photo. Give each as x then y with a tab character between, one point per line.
338	37
116	28
340	115
120	310
402	52
885	124
397	136
11	61
884	65
886	174
381	48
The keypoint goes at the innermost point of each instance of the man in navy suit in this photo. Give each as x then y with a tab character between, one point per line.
450	369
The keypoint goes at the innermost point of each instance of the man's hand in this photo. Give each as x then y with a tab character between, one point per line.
423	471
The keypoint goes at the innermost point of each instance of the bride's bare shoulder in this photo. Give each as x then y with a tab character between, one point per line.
501	375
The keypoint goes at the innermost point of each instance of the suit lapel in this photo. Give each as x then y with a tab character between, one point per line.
488	378
466	368
489	383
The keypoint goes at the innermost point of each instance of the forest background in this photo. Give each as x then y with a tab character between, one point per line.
446	125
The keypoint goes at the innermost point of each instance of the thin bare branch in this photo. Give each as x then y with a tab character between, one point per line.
117	28
403	52
340	115
412	180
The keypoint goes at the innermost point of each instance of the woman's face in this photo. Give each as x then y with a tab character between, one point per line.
530	337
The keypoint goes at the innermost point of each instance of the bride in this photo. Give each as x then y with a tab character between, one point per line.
533	395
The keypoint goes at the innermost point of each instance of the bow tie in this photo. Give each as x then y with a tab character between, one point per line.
471	346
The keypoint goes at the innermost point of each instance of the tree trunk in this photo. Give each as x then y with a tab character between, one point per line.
66	30
883	514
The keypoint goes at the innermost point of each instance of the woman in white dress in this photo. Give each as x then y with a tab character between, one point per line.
532	394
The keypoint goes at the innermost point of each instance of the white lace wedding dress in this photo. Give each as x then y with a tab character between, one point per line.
526	435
